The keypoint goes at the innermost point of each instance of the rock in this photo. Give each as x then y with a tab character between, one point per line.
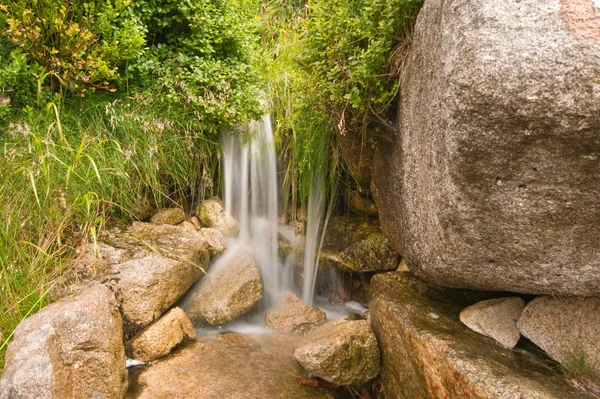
492	183
215	239
292	315
567	329
357	150
343	352
172	216
194	220
427	352
158	339
288	300
187	225
150	266
222	366
356	245
72	348
212	214
232	288
361	205
150	283
495	318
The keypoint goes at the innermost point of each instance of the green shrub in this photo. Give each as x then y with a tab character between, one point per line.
80	43
200	58
348	49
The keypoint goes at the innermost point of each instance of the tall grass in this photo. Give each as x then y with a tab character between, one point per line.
68	169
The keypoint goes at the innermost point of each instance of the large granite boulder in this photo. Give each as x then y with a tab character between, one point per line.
160	338
492	180
233	287
343	352
428	353
72	348
567	329
226	366
150	266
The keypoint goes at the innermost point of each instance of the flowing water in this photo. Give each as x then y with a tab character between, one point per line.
252	198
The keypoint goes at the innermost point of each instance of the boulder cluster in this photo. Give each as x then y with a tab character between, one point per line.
117	300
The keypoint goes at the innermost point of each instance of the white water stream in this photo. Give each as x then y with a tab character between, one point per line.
252	198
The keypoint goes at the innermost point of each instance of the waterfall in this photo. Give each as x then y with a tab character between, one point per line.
251	197
314	219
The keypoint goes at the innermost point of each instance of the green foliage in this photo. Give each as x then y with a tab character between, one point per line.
200	58
348	46
80	43
65	174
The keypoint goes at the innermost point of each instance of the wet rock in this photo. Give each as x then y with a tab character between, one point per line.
150	267
491	182
158	339
495	318
292	315
172	216
212	214
288	300
361	205
343	352
357	245
233	287
72	348
567	329
427	352
222	366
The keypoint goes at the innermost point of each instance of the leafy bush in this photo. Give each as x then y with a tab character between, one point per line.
80	43
200	58
348	47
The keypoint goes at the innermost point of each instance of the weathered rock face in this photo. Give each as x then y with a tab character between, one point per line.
292	315
212	214
343	352
357	245
232	288
227	366
72	348
171	216
492	181
150	266
495	318
158	339
566	328
428	353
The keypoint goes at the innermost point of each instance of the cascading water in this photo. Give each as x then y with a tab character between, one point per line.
251	196
314	229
